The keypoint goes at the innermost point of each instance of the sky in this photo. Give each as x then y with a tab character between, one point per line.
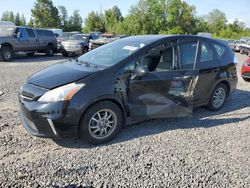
233	8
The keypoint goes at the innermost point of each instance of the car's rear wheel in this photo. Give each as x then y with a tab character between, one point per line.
49	51
65	54
101	122
218	97
6	54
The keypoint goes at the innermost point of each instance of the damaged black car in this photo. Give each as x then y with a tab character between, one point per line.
129	80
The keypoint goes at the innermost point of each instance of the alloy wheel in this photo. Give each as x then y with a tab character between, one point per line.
102	124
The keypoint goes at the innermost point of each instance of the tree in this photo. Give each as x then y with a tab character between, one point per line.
63	14
8	16
18	20
217	20
31	23
94	22
23	20
45	14
112	17
75	21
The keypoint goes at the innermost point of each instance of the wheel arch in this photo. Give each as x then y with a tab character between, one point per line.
110	99
222	81
7	45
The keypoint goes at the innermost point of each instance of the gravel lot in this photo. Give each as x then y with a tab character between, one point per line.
210	149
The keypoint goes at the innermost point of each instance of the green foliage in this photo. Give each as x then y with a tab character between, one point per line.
45	14
94	22
112	17
17	19
217	21
75	22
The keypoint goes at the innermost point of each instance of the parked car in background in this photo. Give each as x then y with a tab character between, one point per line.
28	40
236	45
104	39
76	45
245	70
245	48
129	80
7	23
57	32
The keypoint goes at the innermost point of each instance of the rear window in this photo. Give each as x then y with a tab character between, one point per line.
220	49
206	52
45	33
31	33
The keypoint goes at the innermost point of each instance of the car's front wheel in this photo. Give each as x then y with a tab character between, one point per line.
101	122
218	97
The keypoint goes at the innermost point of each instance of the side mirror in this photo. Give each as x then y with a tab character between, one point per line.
141	71
17	35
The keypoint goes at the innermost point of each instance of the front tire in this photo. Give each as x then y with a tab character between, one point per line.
101	122
6	54
218	97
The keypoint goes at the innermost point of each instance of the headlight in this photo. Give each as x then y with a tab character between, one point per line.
62	93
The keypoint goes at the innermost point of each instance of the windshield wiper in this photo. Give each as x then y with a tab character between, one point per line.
87	64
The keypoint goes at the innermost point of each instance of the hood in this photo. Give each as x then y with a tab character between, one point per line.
72	42
4	38
61	74
103	40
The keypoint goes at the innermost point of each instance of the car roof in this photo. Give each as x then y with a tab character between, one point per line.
154	38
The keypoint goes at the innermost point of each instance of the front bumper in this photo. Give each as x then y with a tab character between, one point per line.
72	49
51	120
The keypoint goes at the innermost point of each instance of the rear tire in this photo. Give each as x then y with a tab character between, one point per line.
6	54
218	97
49	51
65	54
101	122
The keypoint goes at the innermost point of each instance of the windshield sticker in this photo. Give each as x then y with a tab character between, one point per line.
131	48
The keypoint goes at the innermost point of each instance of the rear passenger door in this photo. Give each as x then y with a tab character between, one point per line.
208	66
33	42
167	90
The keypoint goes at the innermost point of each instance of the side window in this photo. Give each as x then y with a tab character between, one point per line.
206	52
31	33
187	55
22	33
219	49
160	59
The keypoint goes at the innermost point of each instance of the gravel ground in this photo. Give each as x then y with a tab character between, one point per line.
210	149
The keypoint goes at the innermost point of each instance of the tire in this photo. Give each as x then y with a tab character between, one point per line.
85	50
31	54
6	54
91	128
246	79
49	51
65	54
218	97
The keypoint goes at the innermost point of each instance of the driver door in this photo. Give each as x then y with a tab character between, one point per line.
167	89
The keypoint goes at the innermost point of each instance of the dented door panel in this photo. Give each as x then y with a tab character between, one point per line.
162	95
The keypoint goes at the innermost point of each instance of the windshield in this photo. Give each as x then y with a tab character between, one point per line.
112	53
6	31
78	37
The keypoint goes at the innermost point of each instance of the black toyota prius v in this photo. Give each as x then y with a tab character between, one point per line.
129	80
